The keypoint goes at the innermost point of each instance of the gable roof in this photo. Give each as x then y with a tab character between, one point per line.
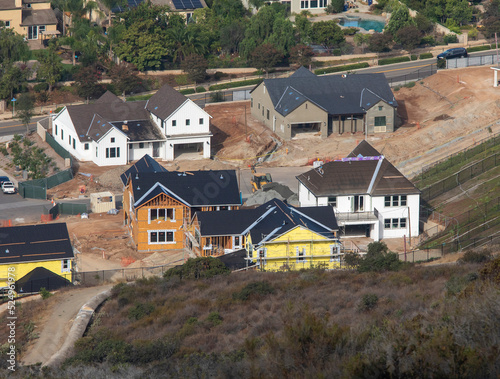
235	260
40	277
31	243
195	189
226	223
337	94
145	164
364	171
165	101
109	97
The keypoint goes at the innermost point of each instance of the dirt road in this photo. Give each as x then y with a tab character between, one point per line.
54	328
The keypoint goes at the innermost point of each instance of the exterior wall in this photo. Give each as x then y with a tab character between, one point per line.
281	253
411	212
297	6
188	111
21	269
136	152
387	110
171	142
99	157
15	18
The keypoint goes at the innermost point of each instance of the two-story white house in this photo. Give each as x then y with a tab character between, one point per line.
370	196
113	132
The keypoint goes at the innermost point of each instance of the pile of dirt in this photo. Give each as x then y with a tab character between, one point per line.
272	191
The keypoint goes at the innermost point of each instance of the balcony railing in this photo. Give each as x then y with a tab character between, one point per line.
357	216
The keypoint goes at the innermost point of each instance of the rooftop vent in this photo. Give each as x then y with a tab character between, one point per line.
125	127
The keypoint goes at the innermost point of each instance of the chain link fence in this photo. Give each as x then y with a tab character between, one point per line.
472	61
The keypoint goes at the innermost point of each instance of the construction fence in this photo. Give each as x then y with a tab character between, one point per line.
472	61
460	177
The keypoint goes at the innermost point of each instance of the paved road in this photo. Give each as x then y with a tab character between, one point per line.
11	127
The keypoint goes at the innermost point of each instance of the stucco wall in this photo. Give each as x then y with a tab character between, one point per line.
381	109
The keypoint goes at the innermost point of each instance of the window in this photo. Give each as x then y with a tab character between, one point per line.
201	121
267	114
113	152
301	252
251	102
314	3
395	223
332	201
69	140
86	146
262	256
322	3
141	145
56	129
163	214
335	253
112	139
380	121
174	122
380	107
258	106
41	29
237	241
262	111
62	134
130	146
65	265
96	150
304	4
74	143
7	24
161	236
188	122
395	201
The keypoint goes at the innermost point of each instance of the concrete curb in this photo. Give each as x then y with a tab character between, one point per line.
77	329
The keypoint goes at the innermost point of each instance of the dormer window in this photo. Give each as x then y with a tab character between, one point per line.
112	139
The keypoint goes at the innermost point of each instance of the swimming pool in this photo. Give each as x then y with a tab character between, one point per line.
378	26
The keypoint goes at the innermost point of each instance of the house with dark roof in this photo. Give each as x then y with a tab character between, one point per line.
158	206
323	105
145	164
185	8
26	249
370	196
33	19
277	236
113	132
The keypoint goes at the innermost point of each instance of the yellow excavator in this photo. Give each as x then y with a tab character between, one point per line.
258	179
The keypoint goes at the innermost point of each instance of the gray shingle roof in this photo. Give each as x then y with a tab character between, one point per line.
351	177
165	101
39	17
337	94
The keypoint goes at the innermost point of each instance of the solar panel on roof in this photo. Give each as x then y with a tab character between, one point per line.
178	4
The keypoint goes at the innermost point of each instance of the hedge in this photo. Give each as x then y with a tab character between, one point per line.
425	56
139	97
413	57
201	89
385	61
346	67
187	91
479	48
241	83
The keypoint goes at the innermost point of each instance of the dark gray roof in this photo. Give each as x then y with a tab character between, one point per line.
227	223
165	101
109	97
337	94
92	121
39	278
145	164
376	177
235	260
7	4
38	17
30	243
194	189
143	130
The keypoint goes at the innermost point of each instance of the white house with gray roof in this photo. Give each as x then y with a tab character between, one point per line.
112	132
324	105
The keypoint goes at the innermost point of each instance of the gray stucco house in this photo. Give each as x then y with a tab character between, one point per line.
324	105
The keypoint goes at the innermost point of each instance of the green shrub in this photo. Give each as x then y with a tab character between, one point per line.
491	271
41	87
456	284
385	61
352	259
181	80
428	40
217	97
450	38
441	63
139	97
479	48
414	57
200	89
379	258
187	91
58	109
410	85
347	67
219	75
337	52
203	267
368	302
45	293
240	83
475	257
253	289
350	31
214	318
140	310
425	56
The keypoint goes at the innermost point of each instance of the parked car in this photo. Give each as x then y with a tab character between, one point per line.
4	179
8	187
457	52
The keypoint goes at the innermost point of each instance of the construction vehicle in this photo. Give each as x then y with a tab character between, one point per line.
258	180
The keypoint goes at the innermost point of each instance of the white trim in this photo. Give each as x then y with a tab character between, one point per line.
158	231
375	173
257	221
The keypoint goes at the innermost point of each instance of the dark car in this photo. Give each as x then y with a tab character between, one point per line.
4	179
457	52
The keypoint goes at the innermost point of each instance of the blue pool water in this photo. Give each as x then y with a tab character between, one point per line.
378	26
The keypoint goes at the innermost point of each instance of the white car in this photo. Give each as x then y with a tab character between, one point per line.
8	187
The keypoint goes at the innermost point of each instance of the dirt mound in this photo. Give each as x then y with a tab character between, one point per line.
272	191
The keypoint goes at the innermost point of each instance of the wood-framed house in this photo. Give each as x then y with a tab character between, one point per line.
158	206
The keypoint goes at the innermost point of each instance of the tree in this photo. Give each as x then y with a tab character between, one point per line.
327	33
361	39
399	19
12	78
337	6
301	55
13	47
196	67
380	42
409	37
25	106
231	36
303	28
110	4
124	77
265	57
423	23
87	83
49	68
459	11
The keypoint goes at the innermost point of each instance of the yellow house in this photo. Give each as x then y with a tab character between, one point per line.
34	256
33	19
290	238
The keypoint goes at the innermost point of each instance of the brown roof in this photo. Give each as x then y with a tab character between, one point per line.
109	97
38	17
376	177
7	4
165	101
92	120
